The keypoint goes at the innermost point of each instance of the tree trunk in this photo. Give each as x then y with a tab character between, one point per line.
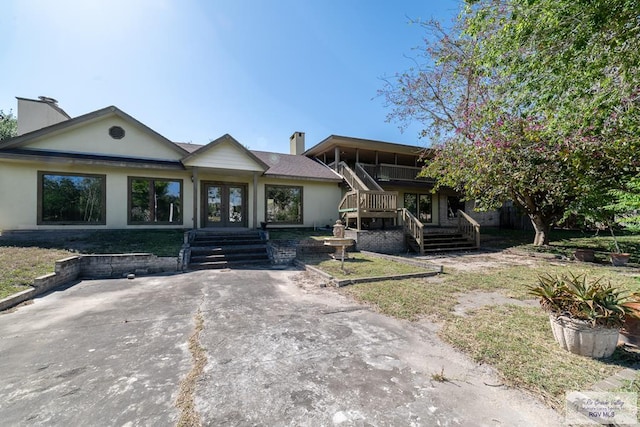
542	227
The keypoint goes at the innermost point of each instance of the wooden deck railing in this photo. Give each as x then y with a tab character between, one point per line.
469	228
361	204
369	201
413	227
367	178
387	172
351	177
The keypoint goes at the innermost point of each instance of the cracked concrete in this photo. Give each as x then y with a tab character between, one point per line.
114	352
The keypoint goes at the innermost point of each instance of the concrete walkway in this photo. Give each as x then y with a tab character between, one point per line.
116	352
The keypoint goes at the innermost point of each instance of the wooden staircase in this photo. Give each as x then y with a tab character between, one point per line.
422	240
217	249
442	242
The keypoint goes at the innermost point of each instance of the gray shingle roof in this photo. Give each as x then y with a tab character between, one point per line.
284	165
288	165
187	146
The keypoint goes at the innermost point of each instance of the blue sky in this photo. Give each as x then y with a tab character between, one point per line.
195	70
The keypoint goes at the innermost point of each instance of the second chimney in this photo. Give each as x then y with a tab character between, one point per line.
296	143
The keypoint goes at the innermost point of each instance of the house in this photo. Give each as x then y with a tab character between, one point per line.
394	168
384	189
107	170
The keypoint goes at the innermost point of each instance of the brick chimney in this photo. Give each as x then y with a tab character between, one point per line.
34	114
296	143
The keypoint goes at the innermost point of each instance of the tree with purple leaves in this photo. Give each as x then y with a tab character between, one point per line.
533	101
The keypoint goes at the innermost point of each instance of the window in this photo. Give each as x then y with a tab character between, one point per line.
67	199
155	201
454	204
420	206
284	204
411	202
425	208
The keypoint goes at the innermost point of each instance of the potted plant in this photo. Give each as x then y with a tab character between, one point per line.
630	332
605	208
618	258
585	317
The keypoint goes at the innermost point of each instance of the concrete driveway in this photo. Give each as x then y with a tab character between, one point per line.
269	352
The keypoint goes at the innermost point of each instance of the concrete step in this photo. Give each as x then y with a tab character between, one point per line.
214	250
214	265
449	248
228	249
230	257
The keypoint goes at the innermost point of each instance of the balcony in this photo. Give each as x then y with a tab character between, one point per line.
386	172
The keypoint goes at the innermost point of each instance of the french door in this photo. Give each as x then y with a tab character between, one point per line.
224	205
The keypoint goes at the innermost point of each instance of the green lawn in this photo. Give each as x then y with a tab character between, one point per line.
19	266
359	265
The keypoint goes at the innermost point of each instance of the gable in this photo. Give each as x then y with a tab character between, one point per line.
224	153
93	138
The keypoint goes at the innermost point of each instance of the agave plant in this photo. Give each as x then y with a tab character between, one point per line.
595	302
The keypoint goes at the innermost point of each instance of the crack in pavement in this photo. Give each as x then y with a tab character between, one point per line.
186	396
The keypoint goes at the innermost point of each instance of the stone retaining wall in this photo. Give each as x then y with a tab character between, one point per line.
93	266
286	251
381	241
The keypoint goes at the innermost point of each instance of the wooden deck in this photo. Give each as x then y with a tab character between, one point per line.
360	204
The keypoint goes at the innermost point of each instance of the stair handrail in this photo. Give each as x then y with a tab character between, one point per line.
362	173
469	227
413	227
350	202
351	177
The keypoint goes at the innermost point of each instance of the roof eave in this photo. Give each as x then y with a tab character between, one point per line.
120	162
77	121
302	178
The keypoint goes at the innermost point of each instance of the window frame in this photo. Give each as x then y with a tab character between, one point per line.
40	194
266	204
416	211
420	195
130	180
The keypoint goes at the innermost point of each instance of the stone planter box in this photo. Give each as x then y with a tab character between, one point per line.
579	337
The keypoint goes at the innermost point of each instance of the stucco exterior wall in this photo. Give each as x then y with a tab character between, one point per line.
319	204
94	139
19	194
35	115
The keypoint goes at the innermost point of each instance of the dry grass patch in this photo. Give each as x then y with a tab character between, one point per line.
517	341
19	266
409	299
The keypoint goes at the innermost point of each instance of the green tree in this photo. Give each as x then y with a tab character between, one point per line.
8	125
534	101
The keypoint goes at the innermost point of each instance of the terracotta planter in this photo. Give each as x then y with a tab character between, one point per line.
630	332
579	337
584	255
619	259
